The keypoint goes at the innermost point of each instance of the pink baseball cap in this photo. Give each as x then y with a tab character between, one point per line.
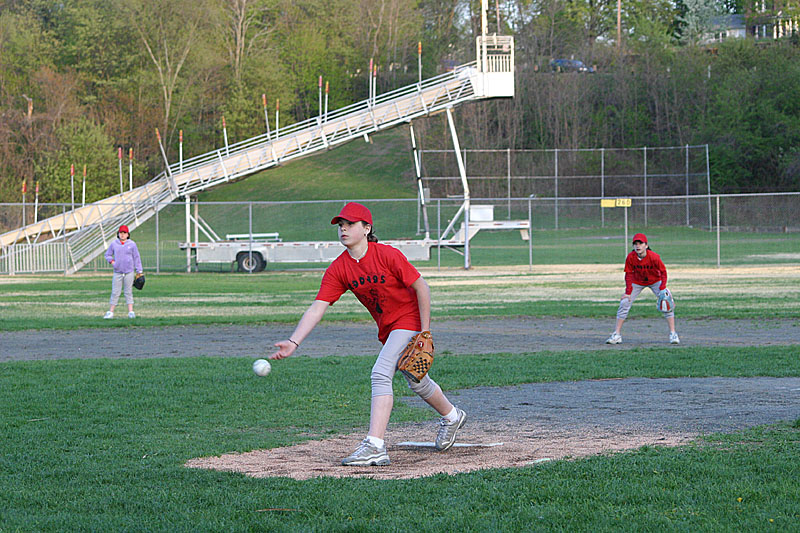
353	212
640	237
123	228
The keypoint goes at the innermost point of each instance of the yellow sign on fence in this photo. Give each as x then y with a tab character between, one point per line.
615	202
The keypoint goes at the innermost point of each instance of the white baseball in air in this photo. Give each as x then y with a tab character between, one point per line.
261	367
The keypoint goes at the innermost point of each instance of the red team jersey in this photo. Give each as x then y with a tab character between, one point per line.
644	271
381	281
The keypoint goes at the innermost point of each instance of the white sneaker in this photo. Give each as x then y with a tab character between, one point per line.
673	338
108	315
446	436
367	454
131	314
615	338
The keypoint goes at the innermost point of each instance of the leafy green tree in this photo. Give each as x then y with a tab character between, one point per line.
246	39
81	143
754	120
95	41
595	18
25	46
317	40
442	33
168	31
695	21
244	28
242	112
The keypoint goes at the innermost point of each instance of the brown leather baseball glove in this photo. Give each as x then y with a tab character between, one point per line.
417	358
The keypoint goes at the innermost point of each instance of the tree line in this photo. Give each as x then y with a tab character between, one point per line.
82	79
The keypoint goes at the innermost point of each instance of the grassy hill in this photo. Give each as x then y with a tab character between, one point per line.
382	168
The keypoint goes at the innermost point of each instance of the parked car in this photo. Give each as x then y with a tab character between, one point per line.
569	65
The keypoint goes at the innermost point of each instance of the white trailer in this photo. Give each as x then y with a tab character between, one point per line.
254	255
252	252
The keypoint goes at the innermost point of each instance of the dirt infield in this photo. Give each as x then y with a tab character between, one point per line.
527	424
509	335
524	424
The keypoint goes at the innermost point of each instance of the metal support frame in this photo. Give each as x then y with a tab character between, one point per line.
463	173
418	170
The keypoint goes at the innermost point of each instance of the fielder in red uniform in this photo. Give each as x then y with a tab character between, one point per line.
643	269
399	300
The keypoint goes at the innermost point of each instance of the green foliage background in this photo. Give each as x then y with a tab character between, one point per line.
104	74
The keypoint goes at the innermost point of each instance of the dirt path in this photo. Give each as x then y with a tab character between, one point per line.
511	335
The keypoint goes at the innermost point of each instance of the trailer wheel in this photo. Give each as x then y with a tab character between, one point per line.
250	262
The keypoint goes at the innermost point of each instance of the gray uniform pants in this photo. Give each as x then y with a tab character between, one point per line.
119	282
625	304
384	368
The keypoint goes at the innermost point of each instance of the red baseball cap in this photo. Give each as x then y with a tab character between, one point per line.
353	212
640	237
123	228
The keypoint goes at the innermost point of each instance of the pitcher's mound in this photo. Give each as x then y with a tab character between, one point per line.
412	455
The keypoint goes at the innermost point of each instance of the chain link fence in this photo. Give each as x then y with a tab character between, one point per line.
715	229
563	173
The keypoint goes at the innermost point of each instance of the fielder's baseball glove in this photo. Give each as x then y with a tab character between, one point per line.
417	358
665	302
138	280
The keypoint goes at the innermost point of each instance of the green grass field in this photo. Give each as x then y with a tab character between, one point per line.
56	302
100	444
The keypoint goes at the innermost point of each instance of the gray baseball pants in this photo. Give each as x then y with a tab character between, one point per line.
119	282
384	368
625	304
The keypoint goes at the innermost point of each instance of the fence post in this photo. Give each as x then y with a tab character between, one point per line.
530	234
708	185
158	244
508	177
687	185
718	254
602	185
625	209
64	236
467	258
556	189
439	234
250	229
645	185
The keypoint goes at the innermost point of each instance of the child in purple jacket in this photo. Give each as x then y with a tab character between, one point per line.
123	255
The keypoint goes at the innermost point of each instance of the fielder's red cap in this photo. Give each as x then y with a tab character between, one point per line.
123	228
640	237
353	212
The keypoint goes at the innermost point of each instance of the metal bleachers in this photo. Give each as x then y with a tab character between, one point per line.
68	241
